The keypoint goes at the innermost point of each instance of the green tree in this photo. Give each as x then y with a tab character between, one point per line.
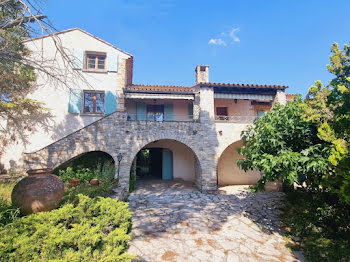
332	104
282	144
18	114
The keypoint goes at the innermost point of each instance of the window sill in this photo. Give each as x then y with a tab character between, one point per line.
92	114
103	71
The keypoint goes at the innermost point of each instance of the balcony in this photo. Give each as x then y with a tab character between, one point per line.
160	118
235	119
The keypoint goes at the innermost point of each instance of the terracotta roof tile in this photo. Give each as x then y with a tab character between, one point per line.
160	88
233	85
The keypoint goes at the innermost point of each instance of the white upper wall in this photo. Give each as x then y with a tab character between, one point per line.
55	92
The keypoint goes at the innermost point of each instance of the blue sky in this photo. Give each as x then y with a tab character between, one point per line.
261	42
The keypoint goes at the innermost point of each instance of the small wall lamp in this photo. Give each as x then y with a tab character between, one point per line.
119	158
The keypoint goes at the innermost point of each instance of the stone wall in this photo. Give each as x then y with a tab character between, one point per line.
113	134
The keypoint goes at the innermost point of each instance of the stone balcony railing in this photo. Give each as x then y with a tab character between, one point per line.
235	119
161	118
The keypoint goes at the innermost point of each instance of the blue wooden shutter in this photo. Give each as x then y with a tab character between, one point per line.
112	62
168	112
75	96
78	59
190	111
140	111
110	102
167	164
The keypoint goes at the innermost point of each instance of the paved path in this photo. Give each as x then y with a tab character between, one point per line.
175	222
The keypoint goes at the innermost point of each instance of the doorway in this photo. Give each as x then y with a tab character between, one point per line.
155	163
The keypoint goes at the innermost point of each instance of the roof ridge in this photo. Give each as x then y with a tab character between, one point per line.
81	30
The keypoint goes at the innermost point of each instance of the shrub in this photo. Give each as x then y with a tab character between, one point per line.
71	195
320	223
84	174
8	213
92	230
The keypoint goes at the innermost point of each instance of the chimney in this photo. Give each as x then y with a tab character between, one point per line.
202	74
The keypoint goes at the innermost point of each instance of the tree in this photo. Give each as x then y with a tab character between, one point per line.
334	128
307	140
19	115
16	77
282	144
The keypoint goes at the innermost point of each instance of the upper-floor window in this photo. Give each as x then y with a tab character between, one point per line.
95	61
155	112
94	102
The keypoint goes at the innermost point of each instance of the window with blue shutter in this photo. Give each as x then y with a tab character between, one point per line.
112	62
75	96
110	102
190	111
78	59
140	111
168	112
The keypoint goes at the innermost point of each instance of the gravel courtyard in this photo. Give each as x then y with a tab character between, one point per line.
173	221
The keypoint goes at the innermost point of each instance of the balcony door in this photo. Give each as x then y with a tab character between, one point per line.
221	113
155	112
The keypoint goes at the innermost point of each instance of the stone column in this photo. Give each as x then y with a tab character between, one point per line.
206	104
196	107
280	97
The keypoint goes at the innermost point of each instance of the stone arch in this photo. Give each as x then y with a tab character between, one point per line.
58	164
229	173
151	140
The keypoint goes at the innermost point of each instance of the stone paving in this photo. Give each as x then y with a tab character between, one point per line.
173	221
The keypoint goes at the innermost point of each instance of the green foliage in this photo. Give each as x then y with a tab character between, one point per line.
321	224
8	213
17	77
84	174
103	172
283	144
92	230
71	194
6	190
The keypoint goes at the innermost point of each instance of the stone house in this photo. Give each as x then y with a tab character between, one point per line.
191	132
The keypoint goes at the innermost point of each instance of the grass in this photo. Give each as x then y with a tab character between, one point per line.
5	190
318	224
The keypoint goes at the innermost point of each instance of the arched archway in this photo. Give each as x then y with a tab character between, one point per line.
167	159
88	159
229	173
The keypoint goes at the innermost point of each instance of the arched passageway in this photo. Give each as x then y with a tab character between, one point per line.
87	160
166	159
229	173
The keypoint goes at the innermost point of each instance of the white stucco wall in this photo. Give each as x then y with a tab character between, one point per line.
55	94
183	158
229	173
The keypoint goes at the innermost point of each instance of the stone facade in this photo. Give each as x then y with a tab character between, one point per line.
114	133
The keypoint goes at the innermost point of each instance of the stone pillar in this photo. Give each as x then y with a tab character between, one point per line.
206	104
280	97
196	107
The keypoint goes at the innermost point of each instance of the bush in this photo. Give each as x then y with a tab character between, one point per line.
84	174
104	172
92	230
71	195
320	223
8	213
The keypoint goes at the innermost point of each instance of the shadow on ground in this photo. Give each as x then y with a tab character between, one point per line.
230	219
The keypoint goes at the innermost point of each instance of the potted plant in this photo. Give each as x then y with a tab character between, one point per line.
94	182
74	182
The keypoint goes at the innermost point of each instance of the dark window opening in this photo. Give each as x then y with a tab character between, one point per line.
155	112
95	61
94	102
